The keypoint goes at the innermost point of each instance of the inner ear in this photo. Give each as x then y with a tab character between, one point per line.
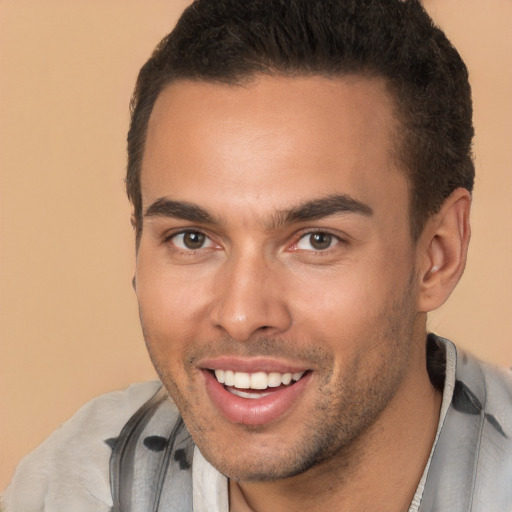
443	248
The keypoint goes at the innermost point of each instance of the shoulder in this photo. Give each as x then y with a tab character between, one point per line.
484	392
471	464
488	386
70	470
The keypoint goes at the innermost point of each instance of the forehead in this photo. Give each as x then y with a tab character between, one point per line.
281	138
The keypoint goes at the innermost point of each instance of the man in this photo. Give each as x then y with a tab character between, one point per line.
301	178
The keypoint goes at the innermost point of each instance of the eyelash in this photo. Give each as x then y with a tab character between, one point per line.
173	236
334	241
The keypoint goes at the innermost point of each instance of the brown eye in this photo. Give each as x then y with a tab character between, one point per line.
193	240
321	241
317	241
190	240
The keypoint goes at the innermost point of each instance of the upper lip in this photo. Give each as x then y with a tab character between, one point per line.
250	365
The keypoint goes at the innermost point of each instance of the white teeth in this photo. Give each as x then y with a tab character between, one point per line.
242	380
245	394
273	380
258	380
229	378
286	378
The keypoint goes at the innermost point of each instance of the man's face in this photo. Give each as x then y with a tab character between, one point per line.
276	257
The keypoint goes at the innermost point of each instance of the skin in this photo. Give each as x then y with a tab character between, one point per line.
256	286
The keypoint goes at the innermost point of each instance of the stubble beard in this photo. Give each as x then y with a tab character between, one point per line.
344	411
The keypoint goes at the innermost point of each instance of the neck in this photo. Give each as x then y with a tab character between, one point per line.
382	468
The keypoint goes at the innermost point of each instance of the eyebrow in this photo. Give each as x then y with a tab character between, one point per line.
310	210
324	207
165	207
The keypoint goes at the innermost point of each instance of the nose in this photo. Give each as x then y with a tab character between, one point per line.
249	299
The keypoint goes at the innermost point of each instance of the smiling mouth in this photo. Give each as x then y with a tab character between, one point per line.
255	385
258	395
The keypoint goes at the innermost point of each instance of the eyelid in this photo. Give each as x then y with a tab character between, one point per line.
339	237
169	236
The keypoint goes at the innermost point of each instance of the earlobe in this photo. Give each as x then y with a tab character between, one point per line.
443	247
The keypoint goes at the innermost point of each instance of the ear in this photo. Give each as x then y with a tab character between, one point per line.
442	250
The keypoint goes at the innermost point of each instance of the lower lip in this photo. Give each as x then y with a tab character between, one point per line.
254	411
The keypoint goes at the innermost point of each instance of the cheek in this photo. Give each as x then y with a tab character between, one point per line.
166	286
343	295
170	304
349	305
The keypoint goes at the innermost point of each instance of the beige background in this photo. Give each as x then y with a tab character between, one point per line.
68	318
